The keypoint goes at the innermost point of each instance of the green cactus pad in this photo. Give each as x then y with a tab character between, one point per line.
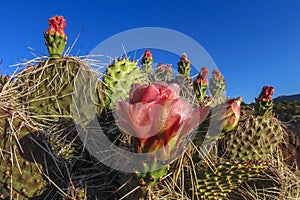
21	173
118	80
152	177
256	138
50	89
227	176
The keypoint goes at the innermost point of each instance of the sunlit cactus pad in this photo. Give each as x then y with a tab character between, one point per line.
256	138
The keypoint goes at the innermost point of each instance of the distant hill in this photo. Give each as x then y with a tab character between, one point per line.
295	97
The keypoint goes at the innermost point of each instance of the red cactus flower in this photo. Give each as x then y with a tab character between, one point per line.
57	25
155	115
147	55
266	93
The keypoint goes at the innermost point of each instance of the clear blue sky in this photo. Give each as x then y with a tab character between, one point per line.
253	43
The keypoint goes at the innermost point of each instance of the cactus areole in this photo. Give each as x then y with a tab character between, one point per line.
55	37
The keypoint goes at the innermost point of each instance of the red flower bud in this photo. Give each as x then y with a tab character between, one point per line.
266	93
147	55
57	25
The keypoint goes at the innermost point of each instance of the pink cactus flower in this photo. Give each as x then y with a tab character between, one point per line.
228	114
233	112
157	116
57	25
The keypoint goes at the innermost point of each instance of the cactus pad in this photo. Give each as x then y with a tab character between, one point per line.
51	87
118	80
218	183
256	138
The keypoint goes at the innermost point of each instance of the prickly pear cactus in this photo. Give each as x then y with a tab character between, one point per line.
184	79
264	103
223	119
20	178
256	138
50	83
184	69
225	177
118	80
258	135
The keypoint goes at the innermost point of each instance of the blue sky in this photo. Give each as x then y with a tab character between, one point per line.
253	43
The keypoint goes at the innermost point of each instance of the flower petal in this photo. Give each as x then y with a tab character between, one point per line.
197	117
147	120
